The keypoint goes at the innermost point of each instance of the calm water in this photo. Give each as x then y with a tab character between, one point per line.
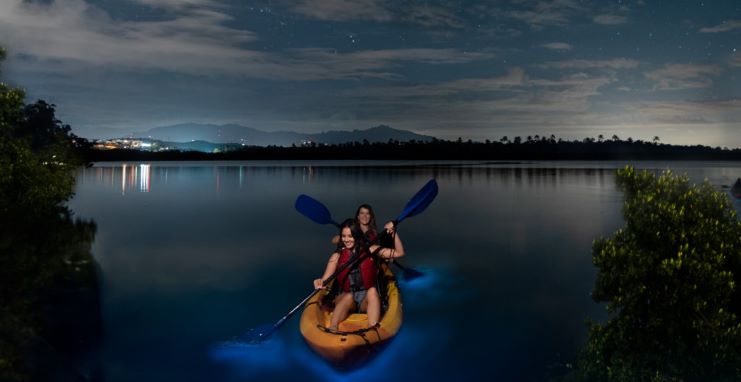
193	254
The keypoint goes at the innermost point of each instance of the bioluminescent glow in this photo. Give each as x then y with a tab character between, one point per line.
430	278
278	356
437	286
434	281
408	343
286	353
250	360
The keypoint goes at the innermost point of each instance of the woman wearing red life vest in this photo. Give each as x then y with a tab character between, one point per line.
367	219
357	283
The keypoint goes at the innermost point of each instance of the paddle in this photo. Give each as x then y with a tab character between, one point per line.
262	332
320	214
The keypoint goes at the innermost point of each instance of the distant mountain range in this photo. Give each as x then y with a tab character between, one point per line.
233	133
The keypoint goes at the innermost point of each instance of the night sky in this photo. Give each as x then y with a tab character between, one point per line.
472	69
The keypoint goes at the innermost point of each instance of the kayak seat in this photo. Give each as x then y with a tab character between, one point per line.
353	322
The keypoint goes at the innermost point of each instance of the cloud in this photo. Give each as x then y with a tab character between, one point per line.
537	20
515	77
607	19
725	26
683	76
539	14
507	101
428	16
343	10
72	35
720	113
558	46
512	79
423	55
570	94
431	16
615	64
317	64
178	4
73	30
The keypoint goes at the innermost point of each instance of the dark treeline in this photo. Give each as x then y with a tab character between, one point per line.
50	318
541	149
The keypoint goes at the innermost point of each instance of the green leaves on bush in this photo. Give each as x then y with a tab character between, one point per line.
670	280
37	154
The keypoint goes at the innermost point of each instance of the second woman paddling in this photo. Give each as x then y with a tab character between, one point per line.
367	220
358	282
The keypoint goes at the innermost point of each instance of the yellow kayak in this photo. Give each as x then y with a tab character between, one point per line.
353	343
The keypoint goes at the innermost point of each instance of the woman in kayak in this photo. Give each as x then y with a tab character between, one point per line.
367	220
357	283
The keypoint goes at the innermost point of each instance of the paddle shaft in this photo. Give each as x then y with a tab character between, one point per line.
326	282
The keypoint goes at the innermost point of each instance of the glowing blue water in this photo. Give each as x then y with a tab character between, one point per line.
195	254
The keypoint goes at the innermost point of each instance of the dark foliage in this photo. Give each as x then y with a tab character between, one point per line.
49	297
37	154
670	279
50	309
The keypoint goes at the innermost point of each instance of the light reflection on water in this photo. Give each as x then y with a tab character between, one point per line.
193	254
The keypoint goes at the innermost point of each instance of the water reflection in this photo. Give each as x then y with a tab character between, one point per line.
213	249
137	177
144	177
51	318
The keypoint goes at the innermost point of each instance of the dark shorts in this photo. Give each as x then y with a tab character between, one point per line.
359	296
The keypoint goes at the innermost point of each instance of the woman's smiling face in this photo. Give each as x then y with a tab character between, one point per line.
347	238
364	216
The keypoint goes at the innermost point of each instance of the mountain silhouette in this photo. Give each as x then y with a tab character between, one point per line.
233	133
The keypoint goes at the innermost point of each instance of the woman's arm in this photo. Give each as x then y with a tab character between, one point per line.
328	271
390	253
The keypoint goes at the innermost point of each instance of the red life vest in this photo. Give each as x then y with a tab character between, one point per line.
371	236
366	269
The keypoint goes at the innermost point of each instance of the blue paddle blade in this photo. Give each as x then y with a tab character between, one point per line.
314	210
419	201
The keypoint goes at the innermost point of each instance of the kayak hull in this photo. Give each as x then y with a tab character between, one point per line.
353	344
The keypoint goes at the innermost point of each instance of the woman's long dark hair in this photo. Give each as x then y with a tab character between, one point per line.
355	231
